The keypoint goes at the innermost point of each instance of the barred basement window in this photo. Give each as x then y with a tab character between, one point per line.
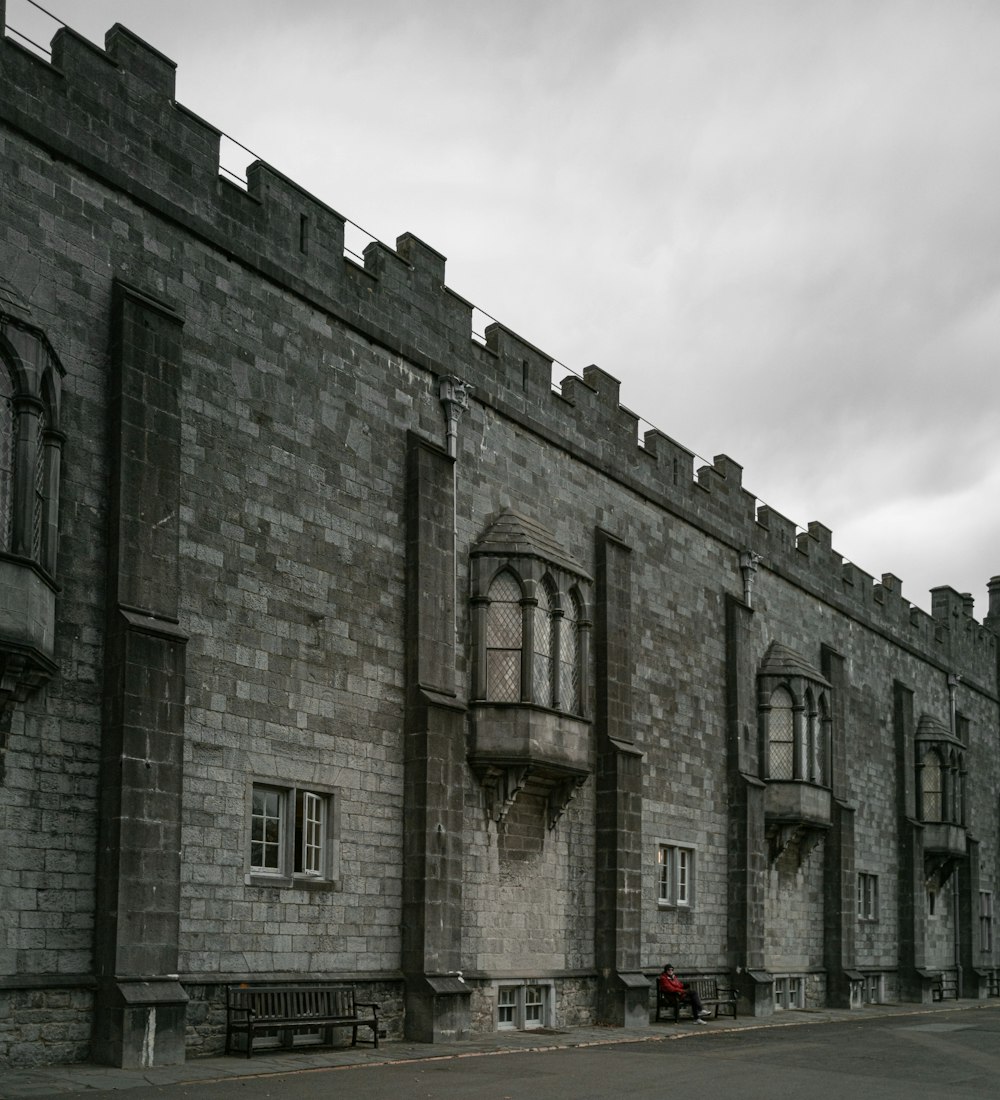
675	876
867	897
291	836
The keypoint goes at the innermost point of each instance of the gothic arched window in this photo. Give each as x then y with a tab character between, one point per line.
932	787
543	645
503	640
781	736
569	655
529	620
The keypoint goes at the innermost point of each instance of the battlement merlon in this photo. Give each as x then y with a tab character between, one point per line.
112	113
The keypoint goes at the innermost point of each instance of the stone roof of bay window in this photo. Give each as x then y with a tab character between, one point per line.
781	660
930	728
513	535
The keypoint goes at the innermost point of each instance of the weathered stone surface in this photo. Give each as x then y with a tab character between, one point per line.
277	491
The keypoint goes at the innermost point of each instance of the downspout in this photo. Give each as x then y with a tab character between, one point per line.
748	566
453	393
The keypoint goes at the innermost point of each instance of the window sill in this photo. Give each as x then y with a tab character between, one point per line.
294	882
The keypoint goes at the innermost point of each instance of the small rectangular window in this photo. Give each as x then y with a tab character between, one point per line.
522	1006
506	1007
867	896
986	921
789	993
675	875
291	835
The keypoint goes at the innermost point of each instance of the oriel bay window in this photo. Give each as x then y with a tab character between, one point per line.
530	629
529	645
795	730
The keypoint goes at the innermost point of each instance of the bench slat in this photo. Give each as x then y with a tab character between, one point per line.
250	1009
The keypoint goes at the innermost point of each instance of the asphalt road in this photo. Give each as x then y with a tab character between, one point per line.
898	1058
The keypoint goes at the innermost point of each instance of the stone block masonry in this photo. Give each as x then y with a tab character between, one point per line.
292	578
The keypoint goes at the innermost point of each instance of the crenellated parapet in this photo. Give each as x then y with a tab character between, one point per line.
112	112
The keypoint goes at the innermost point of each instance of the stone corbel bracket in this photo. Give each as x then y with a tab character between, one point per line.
561	795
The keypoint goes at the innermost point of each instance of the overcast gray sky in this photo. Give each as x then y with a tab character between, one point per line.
776	221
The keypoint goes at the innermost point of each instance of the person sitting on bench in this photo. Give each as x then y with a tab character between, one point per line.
670	983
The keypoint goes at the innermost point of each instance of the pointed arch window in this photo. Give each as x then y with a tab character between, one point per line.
569	655
795	718
932	787
542	643
529	621
503	640
30	450
781	736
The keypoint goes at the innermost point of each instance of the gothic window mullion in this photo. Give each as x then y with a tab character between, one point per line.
559	700
800	742
528	605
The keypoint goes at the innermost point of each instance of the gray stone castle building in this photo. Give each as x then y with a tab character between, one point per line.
337	644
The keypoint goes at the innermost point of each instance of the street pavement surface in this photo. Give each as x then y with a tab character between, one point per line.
887	1052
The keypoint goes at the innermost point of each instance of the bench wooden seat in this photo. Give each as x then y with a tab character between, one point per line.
712	996
945	986
253	1009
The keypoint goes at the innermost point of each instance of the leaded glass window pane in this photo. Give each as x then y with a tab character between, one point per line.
38	515
781	736
541	667
930	782
503	641
569	659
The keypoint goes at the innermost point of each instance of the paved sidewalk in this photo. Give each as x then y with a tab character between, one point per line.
69	1080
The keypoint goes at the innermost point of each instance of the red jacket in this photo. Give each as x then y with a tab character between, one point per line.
671	985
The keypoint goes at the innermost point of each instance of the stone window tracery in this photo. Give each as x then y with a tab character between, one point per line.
30	455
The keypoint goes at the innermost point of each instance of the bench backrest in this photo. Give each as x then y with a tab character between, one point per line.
293	1002
706	988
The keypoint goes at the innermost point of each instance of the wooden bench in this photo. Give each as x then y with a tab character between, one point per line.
711	994
253	1009
945	986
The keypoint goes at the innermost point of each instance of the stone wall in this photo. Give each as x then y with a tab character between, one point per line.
305	385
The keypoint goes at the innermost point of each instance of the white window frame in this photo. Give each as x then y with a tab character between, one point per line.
874	988
676	874
524	1004
868	904
789	992
302	850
